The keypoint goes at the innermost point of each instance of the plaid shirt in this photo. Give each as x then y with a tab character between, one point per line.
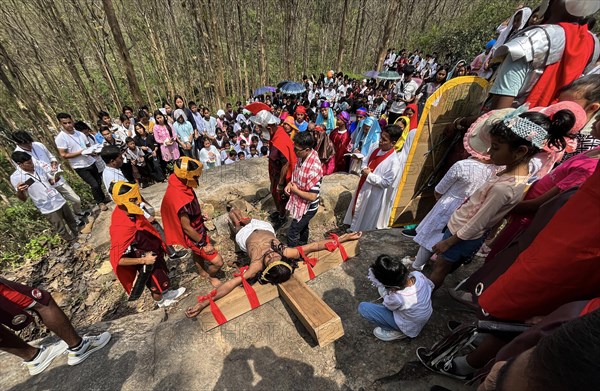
307	175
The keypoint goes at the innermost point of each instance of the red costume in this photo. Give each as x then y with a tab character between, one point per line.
132	236
280	146
341	143
181	198
561	265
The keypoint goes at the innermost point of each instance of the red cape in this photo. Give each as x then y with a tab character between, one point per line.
122	234
176	197
561	265
579	47
282	141
414	123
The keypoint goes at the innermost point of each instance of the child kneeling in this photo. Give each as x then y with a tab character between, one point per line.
406	304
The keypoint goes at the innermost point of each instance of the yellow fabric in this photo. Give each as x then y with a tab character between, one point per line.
400	143
125	199
184	173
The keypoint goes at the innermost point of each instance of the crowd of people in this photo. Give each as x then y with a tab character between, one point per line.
521	189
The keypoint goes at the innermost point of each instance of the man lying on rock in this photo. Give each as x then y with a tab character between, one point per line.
135	243
270	260
17	302
184	221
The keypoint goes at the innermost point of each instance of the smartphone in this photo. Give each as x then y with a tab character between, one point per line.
30	181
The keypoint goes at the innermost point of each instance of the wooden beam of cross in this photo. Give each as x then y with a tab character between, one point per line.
320	320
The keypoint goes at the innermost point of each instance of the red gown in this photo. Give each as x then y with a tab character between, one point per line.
341	142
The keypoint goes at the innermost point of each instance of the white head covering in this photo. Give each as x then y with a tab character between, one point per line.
220	113
179	113
264	118
526	11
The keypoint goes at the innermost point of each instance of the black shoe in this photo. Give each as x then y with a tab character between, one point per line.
446	369
83	214
409	233
178	255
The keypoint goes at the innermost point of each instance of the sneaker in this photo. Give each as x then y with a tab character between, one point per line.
90	344
388	335
103	206
45	357
83	214
409	233
178	255
173	294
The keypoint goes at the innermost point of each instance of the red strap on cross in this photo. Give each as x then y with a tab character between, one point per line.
250	292
331	246
309	262
214	308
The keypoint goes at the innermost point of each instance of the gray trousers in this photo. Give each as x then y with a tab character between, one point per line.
69	194
61	219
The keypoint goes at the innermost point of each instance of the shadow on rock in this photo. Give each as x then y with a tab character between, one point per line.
261	369
98	372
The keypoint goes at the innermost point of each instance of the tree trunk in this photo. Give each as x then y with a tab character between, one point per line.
387	31
340	55
242	41
134	86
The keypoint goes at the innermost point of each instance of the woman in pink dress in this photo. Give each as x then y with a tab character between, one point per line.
166	136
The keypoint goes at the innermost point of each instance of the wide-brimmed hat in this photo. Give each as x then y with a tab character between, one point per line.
477	141
264	118
290	121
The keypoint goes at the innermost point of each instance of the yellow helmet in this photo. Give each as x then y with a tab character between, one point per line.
125	198
182	171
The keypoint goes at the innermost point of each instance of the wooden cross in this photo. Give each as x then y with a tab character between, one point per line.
320	320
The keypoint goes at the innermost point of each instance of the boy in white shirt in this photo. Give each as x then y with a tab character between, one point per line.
32	180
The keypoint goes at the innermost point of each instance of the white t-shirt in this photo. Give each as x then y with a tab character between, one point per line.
74	143
45	197
42	156
110	175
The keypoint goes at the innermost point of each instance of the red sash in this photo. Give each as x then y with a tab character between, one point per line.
374	161
214	308
250	292
176	197
122	234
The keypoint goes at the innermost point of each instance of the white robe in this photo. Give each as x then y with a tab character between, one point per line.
204	158
374	202
403	157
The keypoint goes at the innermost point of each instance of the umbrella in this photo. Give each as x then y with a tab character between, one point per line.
264	90
389	75
292	88
281	84
371	74
255	107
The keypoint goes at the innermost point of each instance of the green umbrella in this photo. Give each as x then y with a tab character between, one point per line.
389	75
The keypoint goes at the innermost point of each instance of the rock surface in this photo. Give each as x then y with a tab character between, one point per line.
267	348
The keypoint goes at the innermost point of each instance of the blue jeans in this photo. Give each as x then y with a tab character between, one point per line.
378	314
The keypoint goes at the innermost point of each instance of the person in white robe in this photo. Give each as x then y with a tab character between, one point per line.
371	204
209	155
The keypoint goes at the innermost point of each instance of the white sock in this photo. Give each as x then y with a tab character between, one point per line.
422	257
462	367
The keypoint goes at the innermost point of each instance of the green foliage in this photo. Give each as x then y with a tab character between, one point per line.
465	37
20	222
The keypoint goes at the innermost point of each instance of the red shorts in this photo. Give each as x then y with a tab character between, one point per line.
200	250
15	297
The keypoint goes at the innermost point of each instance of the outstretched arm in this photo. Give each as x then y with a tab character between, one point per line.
224	289
320	245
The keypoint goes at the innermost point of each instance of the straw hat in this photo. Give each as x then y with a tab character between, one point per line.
477	141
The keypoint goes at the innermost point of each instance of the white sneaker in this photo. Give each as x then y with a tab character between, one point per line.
173	294
45	357
388	335
91	343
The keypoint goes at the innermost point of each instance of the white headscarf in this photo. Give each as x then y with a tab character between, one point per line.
526	14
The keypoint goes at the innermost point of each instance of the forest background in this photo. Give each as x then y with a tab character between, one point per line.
83	56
